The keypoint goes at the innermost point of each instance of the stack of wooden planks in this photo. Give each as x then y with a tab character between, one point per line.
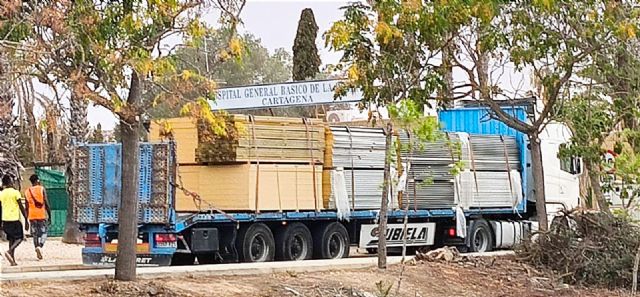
263	139
258	164
251	187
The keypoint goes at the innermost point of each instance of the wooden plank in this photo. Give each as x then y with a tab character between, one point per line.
326	187
275	120
233	187
328	151
281	143
250	154
269	138
185	134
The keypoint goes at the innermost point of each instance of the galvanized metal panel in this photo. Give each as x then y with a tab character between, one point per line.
489	189
478	121
358	147
421	194
365	185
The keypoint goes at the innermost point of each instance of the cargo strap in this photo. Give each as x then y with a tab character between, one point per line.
506	157
402	168
278	184
353	177
473	165
198	201
453	162
415	188
313	164
255	149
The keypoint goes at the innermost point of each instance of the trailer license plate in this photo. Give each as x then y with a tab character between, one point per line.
141	248
418	234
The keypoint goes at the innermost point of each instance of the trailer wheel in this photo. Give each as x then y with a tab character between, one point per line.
181	259
331	241
256	244
294	243
481	239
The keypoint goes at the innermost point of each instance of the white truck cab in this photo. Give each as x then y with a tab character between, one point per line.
561	176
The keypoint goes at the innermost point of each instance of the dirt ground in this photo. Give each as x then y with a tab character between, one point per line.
483	277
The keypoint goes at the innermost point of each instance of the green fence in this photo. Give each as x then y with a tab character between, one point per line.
55	183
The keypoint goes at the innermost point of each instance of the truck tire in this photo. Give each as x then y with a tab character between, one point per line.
294	243
181	259
480	237
256	243
331	241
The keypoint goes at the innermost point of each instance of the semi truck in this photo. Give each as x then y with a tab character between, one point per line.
169	236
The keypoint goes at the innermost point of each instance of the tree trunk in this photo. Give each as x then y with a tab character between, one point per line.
448	53
128	212
585	187
72	233
537	170
78	131
596	188
382	227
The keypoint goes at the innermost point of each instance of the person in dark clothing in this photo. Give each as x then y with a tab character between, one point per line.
38	212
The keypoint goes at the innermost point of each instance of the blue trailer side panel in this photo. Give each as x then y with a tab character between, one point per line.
479	121
99	174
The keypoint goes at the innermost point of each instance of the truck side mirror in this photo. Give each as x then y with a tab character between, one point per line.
577	165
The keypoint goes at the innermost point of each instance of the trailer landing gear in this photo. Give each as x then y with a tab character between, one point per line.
181	259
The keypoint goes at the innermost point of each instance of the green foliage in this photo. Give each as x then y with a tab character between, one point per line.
254	65
408	115
99	50
627	169
97	136
591	118
608	101
306	61
387	57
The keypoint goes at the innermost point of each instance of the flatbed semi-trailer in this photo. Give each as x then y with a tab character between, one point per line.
168	237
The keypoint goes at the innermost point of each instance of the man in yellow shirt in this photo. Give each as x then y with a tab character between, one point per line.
10	201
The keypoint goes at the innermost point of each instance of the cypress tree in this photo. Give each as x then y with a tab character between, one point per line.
306	61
